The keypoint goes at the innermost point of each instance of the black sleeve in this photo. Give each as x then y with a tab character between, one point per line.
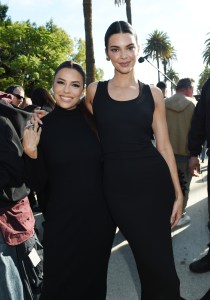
35	173
197	133
11	162
17	116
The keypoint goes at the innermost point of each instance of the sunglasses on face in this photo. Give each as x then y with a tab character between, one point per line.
18	96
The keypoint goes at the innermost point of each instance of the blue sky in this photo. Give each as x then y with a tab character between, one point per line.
186	24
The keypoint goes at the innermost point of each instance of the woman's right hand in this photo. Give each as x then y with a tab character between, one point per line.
38	115
31	137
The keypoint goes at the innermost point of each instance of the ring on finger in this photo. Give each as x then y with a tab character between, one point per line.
29	125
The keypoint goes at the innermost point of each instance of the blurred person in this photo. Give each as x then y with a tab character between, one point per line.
140	181
19	278
203	152
199	132
179	111
26	102
64	154
18	94
162	85
43	99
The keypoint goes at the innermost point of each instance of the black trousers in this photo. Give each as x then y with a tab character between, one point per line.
208	187
140	196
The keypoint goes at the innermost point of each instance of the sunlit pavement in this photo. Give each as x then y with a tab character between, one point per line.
189	243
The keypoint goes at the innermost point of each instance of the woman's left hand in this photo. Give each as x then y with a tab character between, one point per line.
177	210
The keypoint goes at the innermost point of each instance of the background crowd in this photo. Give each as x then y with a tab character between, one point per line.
79	161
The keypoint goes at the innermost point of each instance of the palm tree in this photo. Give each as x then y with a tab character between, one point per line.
128	8
173	76
168	57
206	53
158	47
90	60
202	78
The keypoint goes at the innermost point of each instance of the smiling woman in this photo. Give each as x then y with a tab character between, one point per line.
66	161
68	86
140	181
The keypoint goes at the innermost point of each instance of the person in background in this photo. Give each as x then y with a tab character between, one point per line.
19	279
26	102
18	94
42	98
140	181
199	132
19	100
162	85
65	156
179	111
203	152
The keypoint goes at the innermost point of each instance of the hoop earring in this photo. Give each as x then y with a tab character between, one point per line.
52	92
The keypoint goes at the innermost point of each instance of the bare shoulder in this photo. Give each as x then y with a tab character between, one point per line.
91	89
90	94
157	94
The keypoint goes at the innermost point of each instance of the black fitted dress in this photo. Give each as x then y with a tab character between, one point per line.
138	188
78	231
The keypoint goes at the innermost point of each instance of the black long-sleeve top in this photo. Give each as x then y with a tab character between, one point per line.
200	125
12	122
68	163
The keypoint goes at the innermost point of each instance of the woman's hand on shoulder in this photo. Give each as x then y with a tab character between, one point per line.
90	94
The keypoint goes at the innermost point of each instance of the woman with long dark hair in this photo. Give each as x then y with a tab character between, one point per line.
140	181
64	156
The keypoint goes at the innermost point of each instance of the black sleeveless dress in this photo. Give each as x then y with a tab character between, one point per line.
138	187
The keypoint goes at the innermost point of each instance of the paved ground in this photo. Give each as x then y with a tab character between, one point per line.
189	243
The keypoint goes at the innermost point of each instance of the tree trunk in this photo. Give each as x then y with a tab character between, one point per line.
90	60
158	66
128	11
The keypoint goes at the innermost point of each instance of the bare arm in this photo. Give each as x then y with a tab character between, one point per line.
163	145
90	94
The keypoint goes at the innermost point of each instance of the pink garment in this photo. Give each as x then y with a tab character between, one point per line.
17	222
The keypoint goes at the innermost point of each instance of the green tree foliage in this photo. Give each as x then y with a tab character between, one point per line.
30	54
79	56
206	53
202	78
3	15
206	72
173	76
